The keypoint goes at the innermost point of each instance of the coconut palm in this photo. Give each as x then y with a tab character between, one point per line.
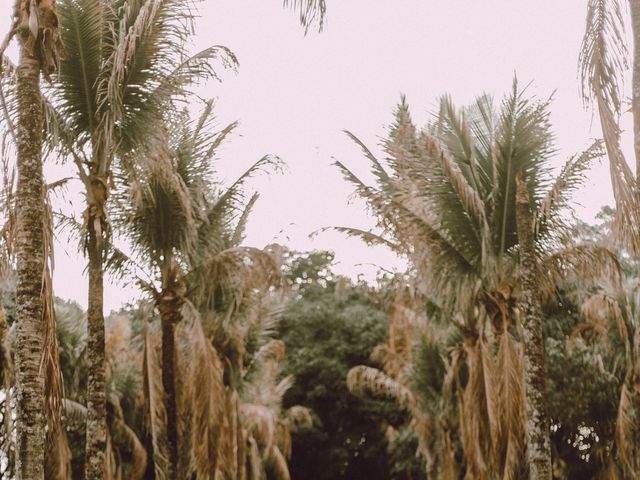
36	26
448	204
179	224
126	61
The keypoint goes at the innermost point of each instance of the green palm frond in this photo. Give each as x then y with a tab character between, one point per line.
549	215
523	143
239	231
225	213
163	219
84	26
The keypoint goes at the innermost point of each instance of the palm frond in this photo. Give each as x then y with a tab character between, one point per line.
310	12
603	59
570	179
375	382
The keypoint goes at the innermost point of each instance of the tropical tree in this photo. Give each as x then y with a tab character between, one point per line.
125	63
329	326
414	375
449	205
36	25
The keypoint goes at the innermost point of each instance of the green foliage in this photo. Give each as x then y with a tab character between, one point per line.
586	374
326	333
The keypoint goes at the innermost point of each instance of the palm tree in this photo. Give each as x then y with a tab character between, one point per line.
180	224
538	423
449	205
126	61
167	189
36	25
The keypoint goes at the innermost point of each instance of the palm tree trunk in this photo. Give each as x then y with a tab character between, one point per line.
539	443
169	304
96	437
30	418
634	7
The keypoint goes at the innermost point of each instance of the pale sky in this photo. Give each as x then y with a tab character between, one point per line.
294	94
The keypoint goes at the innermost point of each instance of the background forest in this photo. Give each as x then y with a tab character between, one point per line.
504	344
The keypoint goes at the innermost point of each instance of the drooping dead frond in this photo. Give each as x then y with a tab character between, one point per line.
599	307
626	424
154	411
202	399
298	417
277	465
478	414
58	455
375	382
603	55
122	438
510	442
588	263
603	60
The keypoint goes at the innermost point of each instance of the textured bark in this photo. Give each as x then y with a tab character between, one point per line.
539	444
96	438
30	417
169	304
634	7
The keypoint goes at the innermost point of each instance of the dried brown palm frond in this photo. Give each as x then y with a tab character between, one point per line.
603	59
238	272
396	353
591	264
128	453
371	380
231	437
202	400
153	402
276	465
58	454
626	428
510	440
599	307
478	413
255	470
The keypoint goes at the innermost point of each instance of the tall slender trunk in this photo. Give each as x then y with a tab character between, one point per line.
30	418
539	443
634	7
169	304
96	439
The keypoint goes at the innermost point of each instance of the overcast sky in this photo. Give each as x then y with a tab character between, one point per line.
294	94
